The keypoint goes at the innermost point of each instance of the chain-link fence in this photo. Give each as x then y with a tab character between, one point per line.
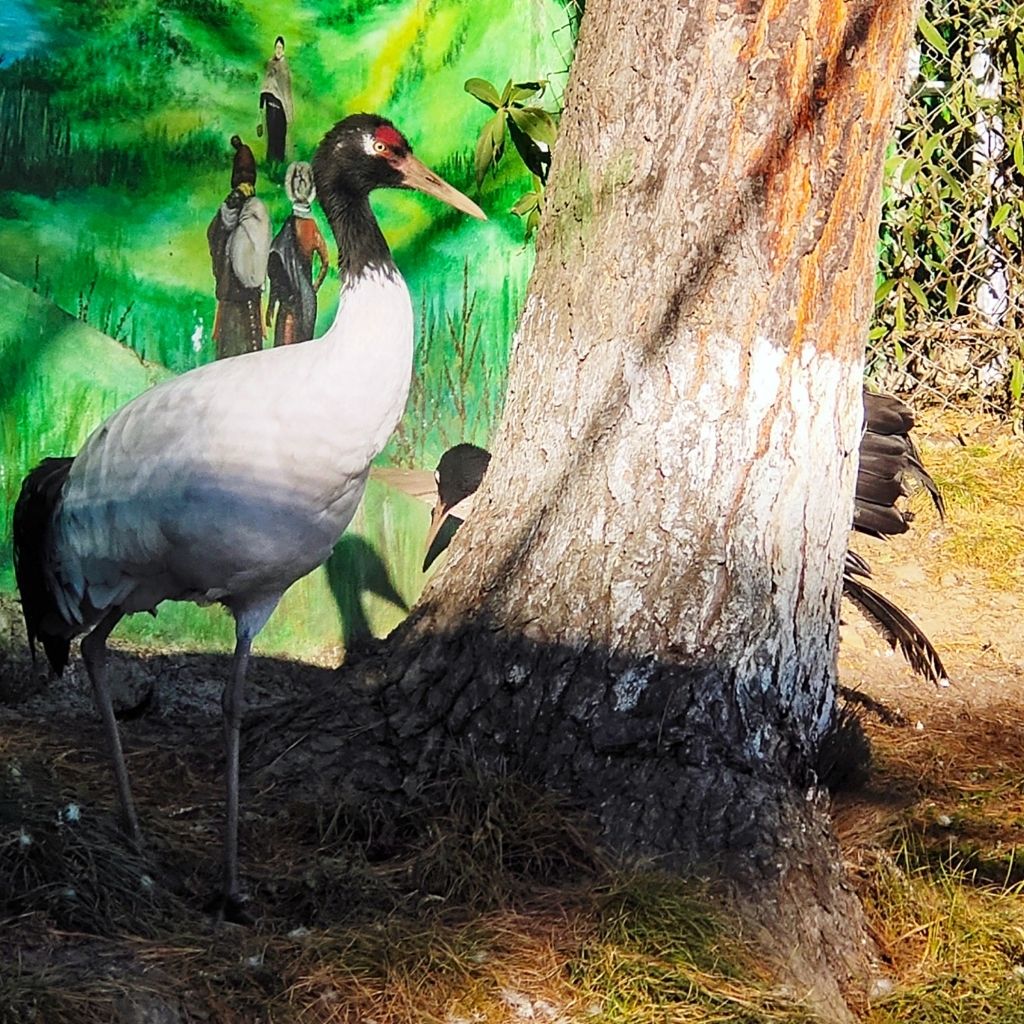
950	300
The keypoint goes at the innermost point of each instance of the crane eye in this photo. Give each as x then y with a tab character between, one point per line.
380	147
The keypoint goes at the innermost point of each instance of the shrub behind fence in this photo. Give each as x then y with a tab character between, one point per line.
949	312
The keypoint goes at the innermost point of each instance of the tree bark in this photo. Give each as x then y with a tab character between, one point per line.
643	611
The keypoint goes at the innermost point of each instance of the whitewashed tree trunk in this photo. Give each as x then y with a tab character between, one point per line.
642	612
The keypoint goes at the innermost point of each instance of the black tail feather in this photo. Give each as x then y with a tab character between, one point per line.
888	459
40	493
897	628
856	565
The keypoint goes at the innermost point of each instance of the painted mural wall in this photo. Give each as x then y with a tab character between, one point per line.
116	126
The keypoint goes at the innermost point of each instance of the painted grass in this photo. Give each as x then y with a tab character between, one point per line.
50	359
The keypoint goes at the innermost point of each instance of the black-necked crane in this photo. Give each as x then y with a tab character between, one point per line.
229	483
888	461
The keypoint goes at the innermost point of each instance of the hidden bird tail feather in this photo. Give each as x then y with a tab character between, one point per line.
33	513
898	629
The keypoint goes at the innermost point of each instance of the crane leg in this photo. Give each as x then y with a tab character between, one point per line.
233	704
94	654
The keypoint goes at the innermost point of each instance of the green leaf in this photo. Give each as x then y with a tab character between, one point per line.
955	189
506	94
490	146
536	123
525	90
893	164
898	352
910	168
1018	153
931	33
899	315
918	292
526	203
952	297
1017	380
498	134
908	241
482	90
883	289
484	154
999	216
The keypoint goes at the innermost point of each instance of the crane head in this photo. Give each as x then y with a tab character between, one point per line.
458	477
366	151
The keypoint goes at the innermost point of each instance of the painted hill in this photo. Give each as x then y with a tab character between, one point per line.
63	377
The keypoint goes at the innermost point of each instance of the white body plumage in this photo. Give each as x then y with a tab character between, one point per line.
234	480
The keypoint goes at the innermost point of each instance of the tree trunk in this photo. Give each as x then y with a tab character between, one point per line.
642	612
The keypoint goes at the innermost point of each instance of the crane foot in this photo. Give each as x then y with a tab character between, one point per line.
229	909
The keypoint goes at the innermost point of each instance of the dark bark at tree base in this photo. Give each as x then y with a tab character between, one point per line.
655	763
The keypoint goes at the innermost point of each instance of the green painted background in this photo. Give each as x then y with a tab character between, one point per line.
114	155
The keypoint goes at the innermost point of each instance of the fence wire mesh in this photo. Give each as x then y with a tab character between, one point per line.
949	303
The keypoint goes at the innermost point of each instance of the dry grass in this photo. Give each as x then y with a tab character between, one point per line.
495	908
979	467
956	946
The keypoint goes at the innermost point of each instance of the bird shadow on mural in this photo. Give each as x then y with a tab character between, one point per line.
354	570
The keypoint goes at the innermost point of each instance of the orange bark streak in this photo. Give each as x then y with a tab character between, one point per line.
847	142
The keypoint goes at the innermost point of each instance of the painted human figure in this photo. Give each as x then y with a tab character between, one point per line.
276	102
239	241
290	266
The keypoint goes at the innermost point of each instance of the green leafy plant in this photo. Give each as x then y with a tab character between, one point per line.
948	309
531	129
528	206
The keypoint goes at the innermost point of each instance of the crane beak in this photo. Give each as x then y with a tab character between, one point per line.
444	521
439	536
418	176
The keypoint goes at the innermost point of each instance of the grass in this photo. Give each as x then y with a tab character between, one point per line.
485	902
982	479
956	946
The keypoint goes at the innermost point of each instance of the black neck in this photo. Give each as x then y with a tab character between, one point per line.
362	247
